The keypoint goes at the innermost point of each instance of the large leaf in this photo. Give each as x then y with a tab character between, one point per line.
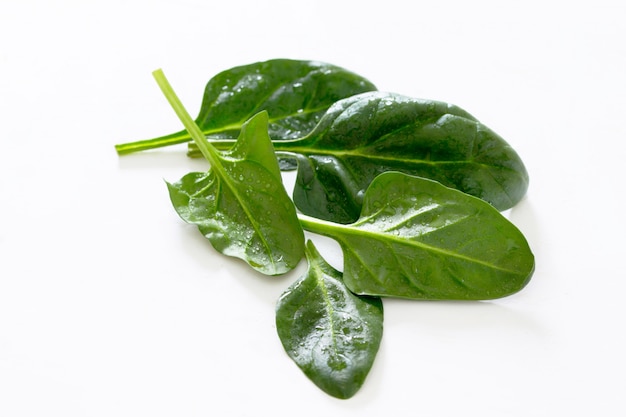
365	135
417	239
294	93
330	333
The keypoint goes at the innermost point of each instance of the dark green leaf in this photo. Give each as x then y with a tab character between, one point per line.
294	93
417	239
241	206
365	135
330	333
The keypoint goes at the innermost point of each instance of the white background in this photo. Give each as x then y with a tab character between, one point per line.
111	306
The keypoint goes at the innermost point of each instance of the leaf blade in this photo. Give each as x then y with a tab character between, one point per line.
249	215
418	239
371	133
295	93
236	203
330	333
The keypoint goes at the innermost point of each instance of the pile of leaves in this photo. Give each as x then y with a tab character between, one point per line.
411	189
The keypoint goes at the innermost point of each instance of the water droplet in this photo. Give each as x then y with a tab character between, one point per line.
337	362
359	196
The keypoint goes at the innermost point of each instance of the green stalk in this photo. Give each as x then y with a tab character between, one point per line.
322	227
160	142
208	151
221	144
168	140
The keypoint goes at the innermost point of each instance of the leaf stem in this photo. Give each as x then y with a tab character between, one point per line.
160	142
208	151
321	227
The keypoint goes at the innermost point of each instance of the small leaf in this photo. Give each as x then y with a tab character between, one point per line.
371	133
417	239
241	205
330	333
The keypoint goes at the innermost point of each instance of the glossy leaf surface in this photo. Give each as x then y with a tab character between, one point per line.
294	93
365	135
417	239
330	333
240	204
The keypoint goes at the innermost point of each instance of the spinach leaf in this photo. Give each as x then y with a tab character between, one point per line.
418	239
240	204
330	333
294	93
370	133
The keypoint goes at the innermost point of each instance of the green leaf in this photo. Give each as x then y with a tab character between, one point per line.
417	239
330	333
294	93
240	204
365	135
